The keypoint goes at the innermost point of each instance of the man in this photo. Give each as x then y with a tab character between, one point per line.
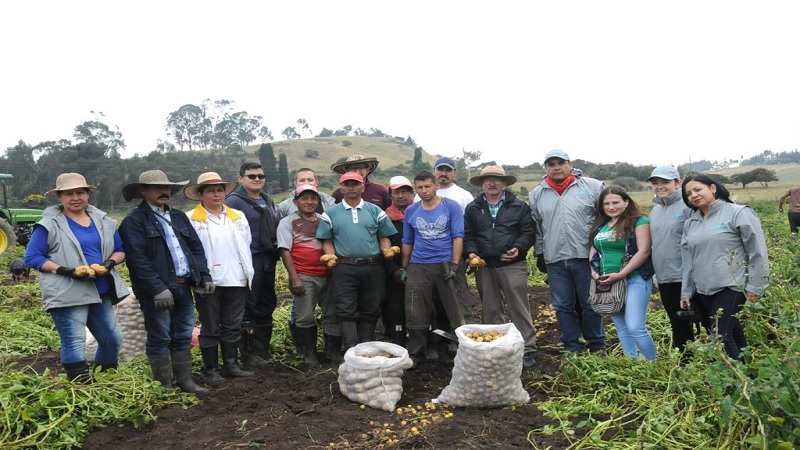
308	276
433	235
355	233
499	229
393	310
302	177
793	194
165	259
445	171
259	209
373	193
564	207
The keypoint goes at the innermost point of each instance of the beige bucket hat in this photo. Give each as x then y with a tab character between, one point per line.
70	180
151	177
208	178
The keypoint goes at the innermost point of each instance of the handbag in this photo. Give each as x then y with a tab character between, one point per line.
610	298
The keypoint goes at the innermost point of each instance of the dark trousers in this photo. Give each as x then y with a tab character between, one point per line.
357	291
221	315
262	300
682	331
393	309
794	221
720	309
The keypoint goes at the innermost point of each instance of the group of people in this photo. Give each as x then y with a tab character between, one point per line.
398	254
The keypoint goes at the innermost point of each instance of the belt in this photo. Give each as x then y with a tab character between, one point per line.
182	280
360	261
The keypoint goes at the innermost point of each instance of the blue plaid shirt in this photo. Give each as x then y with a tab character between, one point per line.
496	207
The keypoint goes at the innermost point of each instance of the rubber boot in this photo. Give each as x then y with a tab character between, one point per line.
78	372
211	364
349	334
366	331
296	339
417	346
333	349
182	370
398	335
107	367
430	351
230	367
308	338
254	345
161	366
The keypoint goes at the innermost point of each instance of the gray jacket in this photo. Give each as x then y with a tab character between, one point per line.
725	249
666	229
59	291
287	207
563	222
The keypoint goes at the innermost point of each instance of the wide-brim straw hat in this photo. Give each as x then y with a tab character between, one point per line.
150	178
372	164
494	172
205	179
71	180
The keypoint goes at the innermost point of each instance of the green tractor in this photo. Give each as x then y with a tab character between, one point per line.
16	224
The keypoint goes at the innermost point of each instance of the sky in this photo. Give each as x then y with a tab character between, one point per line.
644	82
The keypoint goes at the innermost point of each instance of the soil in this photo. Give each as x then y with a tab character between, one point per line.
283	407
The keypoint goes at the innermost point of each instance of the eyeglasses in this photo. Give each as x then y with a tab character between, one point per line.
253	176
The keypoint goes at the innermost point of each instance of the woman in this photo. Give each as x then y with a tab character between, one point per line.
70	237
621	229
666	228
725	259
225	234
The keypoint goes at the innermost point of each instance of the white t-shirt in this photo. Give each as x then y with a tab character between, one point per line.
454	192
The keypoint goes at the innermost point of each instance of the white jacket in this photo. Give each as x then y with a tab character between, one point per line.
240	228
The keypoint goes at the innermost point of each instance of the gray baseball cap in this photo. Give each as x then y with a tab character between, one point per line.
665	173
557	153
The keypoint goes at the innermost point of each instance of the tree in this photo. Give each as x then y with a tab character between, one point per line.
265	134
764	176
304	128
311	153
410	142
344	131
744	178
95	131
187	125
267	158
290	133
283	172
325	133
467	158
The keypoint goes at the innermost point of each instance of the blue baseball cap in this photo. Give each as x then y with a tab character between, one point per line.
557	153
665	173
445	161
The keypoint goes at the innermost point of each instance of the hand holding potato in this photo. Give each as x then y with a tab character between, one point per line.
476	261
391	251
329	259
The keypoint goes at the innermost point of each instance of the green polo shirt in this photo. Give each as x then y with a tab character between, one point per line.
355	231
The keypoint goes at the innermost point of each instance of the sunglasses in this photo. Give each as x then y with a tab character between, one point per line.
254	176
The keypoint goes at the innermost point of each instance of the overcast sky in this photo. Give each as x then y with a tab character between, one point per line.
638	81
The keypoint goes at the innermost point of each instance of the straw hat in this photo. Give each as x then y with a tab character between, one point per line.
71	180
208	178
150	178
372	164
494	172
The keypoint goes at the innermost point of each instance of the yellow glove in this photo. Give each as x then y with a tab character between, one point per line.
330	260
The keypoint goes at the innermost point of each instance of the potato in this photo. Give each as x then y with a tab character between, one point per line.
99	269
84	271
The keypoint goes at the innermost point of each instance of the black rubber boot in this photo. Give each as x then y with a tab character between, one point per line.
417	346
254	345
366	331
106	367
230	367
398	335
211	364
349	334
161	366
333	349
296	340
78	372
308	338
182	370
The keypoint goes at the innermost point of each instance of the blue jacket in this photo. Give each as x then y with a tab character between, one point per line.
147	254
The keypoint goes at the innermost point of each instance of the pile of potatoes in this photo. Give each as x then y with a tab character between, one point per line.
486	371
372	372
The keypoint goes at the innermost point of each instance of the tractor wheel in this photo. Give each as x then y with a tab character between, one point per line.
7	237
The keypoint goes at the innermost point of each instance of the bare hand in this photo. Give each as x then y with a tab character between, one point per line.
686	303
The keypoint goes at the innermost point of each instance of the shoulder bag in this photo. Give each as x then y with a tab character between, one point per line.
610	299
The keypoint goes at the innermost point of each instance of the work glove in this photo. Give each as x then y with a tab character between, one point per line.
540	264
402	276
164	300
205	287
329	259
391	251
450	272
299	290
72	272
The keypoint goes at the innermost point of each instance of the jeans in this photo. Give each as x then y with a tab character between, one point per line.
71	323
720	311
169	330
631	327
569	286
